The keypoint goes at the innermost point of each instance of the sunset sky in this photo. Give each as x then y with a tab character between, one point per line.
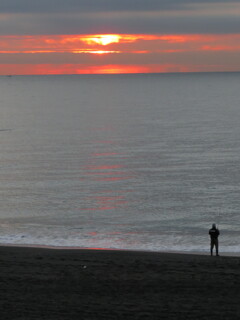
118	36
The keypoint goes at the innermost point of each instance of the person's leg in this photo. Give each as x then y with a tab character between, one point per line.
216	246
211	247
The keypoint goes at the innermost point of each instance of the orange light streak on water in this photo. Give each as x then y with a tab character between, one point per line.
105	167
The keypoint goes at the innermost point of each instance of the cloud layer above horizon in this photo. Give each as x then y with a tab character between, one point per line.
29	18
119	16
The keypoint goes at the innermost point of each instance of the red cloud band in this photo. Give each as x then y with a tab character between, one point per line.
119	43
109	53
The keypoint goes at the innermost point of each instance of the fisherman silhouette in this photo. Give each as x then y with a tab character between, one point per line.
214	233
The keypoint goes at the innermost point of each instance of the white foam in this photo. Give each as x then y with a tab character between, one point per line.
120	241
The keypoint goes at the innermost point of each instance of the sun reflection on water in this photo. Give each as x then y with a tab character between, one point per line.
108	175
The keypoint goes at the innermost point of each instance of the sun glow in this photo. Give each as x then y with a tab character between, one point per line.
95	51
102	39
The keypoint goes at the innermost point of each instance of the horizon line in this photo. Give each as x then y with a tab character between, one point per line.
116	74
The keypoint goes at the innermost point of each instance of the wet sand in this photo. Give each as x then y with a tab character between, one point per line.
94	284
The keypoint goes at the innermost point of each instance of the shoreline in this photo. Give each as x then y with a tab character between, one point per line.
42	283
52	247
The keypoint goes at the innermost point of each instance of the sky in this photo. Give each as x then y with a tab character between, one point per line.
119	36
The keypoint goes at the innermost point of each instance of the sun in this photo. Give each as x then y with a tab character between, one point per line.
102	39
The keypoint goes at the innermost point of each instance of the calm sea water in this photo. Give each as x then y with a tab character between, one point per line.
143	162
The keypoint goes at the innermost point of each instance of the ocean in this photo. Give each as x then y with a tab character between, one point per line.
139	162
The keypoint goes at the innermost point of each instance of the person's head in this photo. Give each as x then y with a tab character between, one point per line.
214	226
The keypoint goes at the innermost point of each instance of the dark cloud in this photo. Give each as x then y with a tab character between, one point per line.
46	6
125	24
117	16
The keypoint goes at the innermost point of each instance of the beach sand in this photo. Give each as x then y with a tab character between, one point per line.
58	284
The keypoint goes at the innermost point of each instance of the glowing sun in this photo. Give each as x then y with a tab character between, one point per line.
102	39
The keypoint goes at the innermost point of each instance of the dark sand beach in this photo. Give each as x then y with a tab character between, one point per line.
51	284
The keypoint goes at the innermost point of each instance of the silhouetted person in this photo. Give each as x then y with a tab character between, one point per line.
214	233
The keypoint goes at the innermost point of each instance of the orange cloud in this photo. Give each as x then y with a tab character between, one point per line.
114	69
42	69
214	47
116	53
116	43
